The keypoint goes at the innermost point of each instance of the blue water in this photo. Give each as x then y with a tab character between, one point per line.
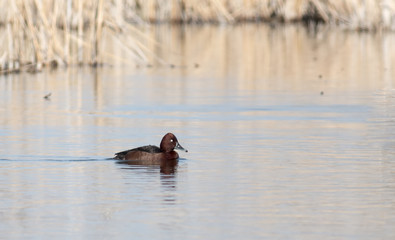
264	162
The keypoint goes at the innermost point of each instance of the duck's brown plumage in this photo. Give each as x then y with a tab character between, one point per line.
153	155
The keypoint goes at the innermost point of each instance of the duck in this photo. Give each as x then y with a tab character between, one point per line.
151	154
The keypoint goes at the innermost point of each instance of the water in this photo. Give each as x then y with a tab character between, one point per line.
287	139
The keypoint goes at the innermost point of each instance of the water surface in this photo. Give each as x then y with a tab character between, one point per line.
289	132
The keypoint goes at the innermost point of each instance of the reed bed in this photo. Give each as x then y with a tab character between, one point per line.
355	14
42	33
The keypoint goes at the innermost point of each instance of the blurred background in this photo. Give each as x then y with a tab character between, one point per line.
286	108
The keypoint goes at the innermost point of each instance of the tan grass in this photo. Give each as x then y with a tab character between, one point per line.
357	14
52	32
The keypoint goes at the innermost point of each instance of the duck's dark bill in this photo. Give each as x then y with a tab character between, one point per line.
179	147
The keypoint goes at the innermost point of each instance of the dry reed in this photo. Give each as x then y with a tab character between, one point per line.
357	14
49	32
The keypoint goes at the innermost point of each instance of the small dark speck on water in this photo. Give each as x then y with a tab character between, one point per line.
149	65
320	76
322	93
48	96
196	65
53	64
172	65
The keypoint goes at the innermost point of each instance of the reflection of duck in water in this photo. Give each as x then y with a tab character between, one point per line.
165	156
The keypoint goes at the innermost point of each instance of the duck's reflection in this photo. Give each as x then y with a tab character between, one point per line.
166	167
167	171
169	167
169	188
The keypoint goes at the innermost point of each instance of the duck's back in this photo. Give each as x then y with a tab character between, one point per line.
147	149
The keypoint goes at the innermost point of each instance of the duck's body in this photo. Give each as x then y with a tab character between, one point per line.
147	149
153	155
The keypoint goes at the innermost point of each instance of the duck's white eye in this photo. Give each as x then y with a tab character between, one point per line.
171	140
